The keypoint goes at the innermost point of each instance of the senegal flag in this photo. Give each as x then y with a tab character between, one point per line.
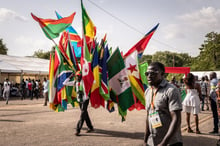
52	28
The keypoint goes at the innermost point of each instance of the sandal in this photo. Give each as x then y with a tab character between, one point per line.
198	132
189	130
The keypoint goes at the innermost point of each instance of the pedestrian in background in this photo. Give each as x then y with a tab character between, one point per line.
29	88
23	89
45	91
163	105
36	89
213	100
208	92
204	91
191	103
6	90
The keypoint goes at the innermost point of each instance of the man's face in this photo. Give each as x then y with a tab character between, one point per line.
154	75
78	78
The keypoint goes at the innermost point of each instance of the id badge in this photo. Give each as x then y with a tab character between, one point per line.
155	120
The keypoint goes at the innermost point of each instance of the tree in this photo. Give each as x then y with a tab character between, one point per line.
171	59
146	58
208	58
3	48
42	54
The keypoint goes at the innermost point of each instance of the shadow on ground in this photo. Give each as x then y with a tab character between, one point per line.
199	141
110	133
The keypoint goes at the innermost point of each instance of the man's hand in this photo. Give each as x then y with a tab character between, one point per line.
72	75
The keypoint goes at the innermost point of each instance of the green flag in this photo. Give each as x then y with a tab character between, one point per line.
143	69
118	80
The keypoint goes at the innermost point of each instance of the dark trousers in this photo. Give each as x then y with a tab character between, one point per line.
84	116
214	114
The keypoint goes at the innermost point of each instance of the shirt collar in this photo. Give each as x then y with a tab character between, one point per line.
163	83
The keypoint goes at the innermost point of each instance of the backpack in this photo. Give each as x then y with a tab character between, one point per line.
203	88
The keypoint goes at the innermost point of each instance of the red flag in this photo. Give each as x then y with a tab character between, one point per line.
141	45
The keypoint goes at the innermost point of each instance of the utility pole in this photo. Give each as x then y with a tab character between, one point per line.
173	61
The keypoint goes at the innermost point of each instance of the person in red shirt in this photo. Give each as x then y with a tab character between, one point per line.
29	87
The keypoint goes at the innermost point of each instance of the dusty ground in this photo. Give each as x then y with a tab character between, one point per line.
30	123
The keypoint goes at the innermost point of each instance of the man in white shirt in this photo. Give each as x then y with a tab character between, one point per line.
6	88
45	91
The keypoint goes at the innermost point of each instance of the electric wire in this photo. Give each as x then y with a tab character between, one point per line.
129	26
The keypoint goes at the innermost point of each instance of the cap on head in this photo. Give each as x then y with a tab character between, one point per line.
78	73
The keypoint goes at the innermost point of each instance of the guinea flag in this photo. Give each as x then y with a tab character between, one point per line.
118	80
51	27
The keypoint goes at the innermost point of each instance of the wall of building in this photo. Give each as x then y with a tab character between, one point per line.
16	78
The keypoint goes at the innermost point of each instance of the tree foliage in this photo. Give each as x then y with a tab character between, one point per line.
209	57
3	48
42	54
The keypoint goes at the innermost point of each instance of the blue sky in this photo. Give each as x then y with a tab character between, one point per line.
182	29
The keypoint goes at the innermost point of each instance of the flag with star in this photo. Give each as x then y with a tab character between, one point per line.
119	82
131	63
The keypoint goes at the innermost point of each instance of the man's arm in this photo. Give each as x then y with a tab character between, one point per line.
174	125
147	131
67	82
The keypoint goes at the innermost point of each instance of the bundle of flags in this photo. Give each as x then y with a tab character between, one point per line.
109	78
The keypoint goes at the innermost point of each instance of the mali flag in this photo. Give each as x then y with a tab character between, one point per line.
89	28
52	28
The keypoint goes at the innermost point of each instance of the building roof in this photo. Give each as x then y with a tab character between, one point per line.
17	64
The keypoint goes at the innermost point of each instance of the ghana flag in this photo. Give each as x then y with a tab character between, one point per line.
52	28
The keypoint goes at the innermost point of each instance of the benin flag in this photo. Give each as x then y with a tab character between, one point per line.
52	28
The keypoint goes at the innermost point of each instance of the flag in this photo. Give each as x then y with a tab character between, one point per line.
89	28
74	37
87	75
71	54
118	80
143	69
141	45
131	63
104	89
52	89
88	31
52	28
95	97
63	94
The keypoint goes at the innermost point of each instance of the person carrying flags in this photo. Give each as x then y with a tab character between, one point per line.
83	100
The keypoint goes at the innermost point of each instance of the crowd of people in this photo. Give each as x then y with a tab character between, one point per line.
164	102
28	88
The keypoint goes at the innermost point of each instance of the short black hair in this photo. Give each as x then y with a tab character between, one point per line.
160	66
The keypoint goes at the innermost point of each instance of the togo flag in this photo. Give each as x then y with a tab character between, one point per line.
118	80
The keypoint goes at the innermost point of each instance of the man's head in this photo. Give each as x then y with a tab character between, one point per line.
203	78
79	75
212	75
155	73
45	79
